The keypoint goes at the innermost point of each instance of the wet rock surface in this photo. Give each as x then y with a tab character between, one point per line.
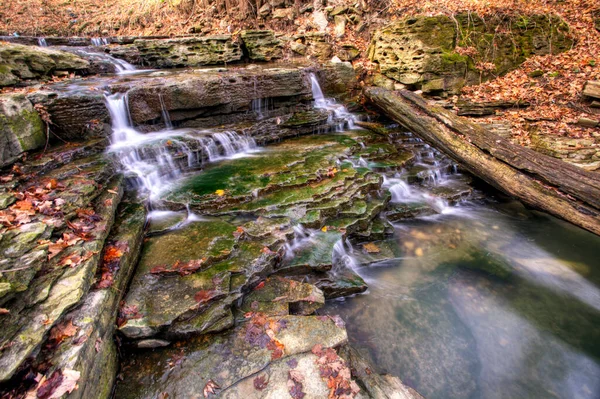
21	128
22	63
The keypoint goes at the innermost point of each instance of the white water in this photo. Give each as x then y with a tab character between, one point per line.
122	67
158	159
338	110
165	113
99	41
342	258
42	42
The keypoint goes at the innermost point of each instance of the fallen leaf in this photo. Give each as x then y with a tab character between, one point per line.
220	193
371	248
210	388
260	383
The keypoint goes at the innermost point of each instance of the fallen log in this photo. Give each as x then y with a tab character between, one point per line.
543	182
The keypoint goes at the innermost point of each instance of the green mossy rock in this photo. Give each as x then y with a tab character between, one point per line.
21	128
420	51
18	62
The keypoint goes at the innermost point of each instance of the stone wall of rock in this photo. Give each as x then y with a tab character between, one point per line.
262	45
19	62
442	54
180	52
21	128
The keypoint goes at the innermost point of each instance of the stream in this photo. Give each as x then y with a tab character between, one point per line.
474	297
441	280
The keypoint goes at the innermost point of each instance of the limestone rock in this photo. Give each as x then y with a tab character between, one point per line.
318	45
262	45
420	50
73	113
92	350
18	62
320	19
230	358
348	52
279	296
21	128
50	296
193	95
340	26
592	89
338	78
180	52
284	13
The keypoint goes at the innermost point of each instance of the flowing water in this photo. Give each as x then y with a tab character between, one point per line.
482	297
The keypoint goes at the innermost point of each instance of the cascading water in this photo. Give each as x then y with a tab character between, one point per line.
338	110
156	160
165	112
99	41
121	66
42	42
342	258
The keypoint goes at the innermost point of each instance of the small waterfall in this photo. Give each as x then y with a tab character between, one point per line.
156	160
42	42
338	110
342	258
121	66
399	189
261	106
165	112
301	237
99	41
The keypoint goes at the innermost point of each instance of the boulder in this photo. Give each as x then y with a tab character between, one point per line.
348	52
338	78
180	52
421	51
21	128
318	45
19	62
262	45
592	89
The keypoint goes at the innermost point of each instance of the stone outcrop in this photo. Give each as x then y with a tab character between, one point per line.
262	45
211	93
422	51
39	287
21	63
74	115
21	128
180	52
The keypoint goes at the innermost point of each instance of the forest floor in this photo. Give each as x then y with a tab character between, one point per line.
554	95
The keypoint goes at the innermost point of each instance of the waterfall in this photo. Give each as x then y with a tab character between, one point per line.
399	189
121	66
329	104
156	160
42	42
99	41
165	112
342	258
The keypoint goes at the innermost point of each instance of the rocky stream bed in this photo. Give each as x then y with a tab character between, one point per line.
205	242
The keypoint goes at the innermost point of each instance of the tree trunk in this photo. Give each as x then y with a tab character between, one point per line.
543	182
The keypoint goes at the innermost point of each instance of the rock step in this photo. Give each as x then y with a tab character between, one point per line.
66	280
90	348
